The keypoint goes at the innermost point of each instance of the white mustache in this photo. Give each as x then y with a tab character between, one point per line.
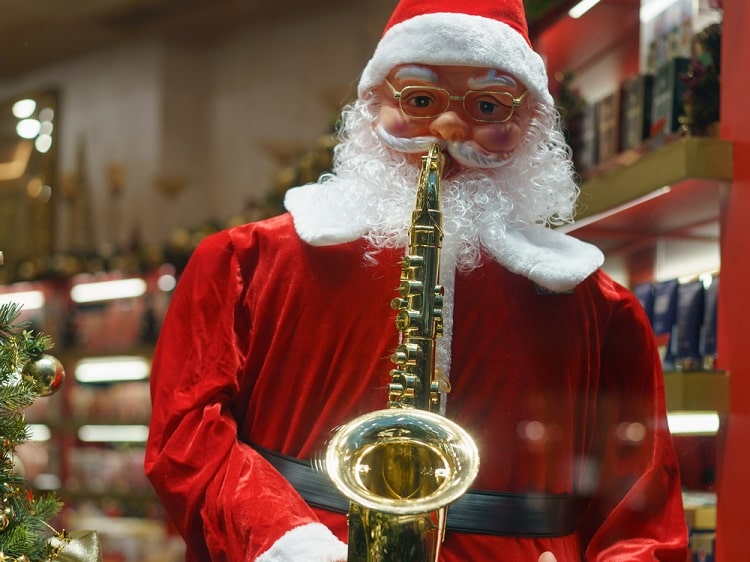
465	153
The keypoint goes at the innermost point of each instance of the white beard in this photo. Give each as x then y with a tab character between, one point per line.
375	186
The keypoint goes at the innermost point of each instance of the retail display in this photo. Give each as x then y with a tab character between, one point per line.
88	440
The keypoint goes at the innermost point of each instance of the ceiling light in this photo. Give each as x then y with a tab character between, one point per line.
24	108
28	128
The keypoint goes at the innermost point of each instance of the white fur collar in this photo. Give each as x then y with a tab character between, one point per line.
549	258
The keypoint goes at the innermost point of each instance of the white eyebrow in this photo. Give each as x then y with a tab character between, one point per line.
414	72
493	78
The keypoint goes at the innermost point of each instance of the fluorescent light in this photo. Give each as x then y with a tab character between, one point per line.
649	10
28	300
581	8
111	369
107	290
39	432
693	423
113	433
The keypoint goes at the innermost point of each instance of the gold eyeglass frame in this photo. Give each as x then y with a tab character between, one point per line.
398	96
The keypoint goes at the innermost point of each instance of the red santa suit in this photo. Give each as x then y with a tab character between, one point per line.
274	341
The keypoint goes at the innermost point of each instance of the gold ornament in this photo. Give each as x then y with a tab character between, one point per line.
6	515
75	546
47	372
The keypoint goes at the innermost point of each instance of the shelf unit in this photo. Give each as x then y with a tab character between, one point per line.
673	192
100	479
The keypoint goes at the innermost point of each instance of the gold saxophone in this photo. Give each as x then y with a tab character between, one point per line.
402	466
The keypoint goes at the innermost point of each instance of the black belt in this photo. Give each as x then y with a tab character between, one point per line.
478	511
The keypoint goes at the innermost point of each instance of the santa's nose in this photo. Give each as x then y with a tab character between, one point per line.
450	126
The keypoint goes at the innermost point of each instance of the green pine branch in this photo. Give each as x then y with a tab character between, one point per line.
24	528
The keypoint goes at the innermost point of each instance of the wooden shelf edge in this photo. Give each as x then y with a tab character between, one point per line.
697	391
642	175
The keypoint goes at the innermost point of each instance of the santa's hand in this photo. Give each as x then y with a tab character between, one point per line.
547	557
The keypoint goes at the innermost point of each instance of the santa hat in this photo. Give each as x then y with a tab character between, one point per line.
484	33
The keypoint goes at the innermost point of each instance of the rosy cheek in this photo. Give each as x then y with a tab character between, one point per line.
503	137
396	124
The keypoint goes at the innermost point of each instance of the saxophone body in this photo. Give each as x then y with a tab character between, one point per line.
401	467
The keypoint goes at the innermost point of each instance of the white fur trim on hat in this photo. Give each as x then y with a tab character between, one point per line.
313	542
457	39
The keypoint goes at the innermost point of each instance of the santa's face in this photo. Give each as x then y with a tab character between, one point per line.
480	130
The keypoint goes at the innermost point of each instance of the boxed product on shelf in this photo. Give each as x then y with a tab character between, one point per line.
688	325
637	97
710	316
684	320
608	119
668	33
664	318
669	90
586	157
644	292
700	513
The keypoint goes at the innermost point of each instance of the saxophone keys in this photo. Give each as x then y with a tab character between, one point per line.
406	354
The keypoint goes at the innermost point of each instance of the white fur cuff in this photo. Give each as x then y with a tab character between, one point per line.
313	542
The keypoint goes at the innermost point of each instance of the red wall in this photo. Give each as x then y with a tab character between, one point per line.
733	536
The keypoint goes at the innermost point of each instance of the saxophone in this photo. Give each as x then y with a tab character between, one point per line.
402	466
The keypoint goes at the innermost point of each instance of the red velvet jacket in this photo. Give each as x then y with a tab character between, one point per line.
274	341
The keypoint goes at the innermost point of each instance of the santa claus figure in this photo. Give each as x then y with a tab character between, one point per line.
281	330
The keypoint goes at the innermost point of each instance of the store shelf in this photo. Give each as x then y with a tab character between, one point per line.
638	175
676	190
697	391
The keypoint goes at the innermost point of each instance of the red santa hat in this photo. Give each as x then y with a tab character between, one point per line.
484	33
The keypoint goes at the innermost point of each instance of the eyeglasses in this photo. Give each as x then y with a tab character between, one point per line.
427	102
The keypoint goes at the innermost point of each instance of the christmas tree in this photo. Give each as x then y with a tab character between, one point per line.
26	373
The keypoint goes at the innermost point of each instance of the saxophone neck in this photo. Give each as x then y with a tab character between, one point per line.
419	317
428	189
